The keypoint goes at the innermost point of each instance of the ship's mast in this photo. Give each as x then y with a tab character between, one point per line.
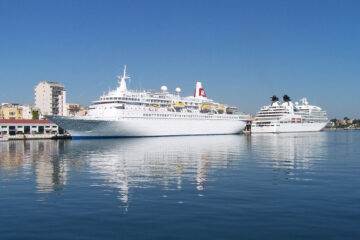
122	81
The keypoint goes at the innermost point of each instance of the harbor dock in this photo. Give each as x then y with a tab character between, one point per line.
26	129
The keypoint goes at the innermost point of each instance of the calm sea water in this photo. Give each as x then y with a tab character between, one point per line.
275	186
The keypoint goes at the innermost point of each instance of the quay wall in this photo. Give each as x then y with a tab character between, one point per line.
38	136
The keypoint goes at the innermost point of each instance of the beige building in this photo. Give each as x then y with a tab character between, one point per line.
11	111
50	98
18	111
74	109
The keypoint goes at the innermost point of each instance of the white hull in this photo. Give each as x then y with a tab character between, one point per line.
128	127
289	127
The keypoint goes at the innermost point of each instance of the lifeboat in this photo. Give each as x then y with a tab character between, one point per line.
231	110
205	108
179	105
220	109
155	106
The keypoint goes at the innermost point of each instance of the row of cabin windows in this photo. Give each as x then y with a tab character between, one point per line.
13	127
121	98
188	116
147	100
267	113
292	121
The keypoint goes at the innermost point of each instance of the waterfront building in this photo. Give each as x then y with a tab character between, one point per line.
11	111
27	126
342	122
50	98
330	124
74	109
19	111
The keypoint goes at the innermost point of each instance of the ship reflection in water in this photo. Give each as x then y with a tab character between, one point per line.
122	163
277	186
168	163
290	152
159	161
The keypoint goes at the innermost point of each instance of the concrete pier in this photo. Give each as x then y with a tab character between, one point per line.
38	136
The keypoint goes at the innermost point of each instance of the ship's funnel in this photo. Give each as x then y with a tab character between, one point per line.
199	91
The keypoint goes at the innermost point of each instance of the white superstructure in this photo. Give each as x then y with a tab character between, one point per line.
128	113
288	117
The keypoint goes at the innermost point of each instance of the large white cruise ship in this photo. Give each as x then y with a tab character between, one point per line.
289	117
129	113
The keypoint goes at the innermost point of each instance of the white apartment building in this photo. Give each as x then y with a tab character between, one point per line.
50	98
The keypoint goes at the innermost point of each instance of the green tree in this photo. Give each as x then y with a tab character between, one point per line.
35	115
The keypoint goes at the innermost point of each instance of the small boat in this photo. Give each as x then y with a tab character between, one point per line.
3	138
205	108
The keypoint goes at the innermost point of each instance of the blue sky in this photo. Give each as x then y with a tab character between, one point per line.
242	51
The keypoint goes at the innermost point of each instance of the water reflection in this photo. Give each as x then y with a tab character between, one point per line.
122	163
40	156
291	151
168	162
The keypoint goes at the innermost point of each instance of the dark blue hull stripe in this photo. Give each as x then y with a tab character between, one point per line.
106	137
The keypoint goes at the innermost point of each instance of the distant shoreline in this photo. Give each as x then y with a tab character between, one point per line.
337	129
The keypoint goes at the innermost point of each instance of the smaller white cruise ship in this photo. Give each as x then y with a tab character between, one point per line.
289	117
